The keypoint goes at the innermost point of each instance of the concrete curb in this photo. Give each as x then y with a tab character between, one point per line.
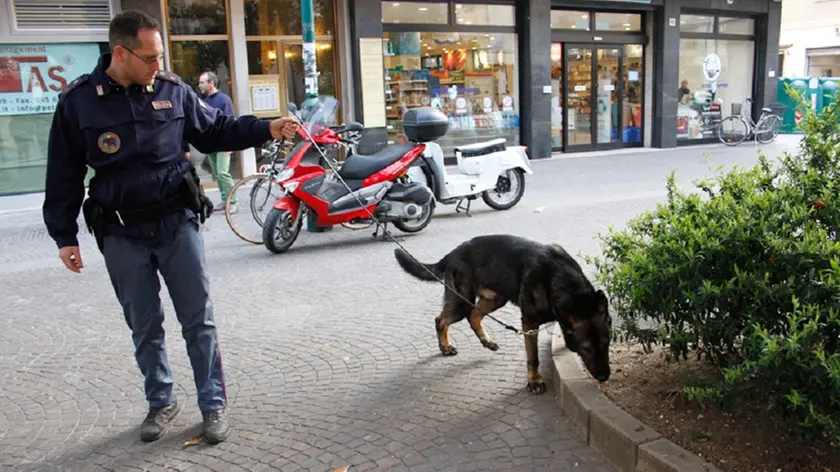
626	442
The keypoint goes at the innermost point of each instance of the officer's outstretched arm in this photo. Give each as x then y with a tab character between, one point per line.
65	183
209	130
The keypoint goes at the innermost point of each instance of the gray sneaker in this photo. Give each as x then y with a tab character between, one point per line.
158	421
216	426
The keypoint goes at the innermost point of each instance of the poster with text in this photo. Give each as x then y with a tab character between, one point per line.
33	75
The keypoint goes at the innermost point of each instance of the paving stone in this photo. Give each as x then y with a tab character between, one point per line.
329	350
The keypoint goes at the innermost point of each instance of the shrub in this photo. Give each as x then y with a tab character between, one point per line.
744	273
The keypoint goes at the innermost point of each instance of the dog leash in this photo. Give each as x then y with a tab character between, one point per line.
385	232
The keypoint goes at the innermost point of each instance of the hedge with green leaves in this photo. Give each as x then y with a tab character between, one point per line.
746	274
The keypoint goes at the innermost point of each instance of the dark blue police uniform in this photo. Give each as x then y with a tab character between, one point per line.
133	139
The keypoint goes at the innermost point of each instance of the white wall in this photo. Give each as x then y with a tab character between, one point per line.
807	24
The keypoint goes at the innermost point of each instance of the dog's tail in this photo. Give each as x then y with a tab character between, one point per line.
418	269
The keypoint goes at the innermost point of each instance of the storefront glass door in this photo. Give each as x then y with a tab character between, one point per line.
579	83
603	96
609	83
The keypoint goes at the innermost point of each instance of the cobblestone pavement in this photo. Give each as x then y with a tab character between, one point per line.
329	350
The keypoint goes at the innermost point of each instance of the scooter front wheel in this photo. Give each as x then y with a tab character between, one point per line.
280	230
509	190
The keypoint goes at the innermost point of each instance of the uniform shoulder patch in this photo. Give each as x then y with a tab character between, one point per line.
169	76
74	84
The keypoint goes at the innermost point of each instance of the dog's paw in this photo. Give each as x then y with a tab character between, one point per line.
448	350
490	345
537	386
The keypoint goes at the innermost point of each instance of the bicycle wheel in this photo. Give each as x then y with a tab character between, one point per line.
732	131
767	129
255	196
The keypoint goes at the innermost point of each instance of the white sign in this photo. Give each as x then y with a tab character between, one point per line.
33	75
264	98
609	88
488	104
460	105
547	89
712	67
580	88
507	103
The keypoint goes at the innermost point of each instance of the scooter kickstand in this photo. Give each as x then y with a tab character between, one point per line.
467	209
384	231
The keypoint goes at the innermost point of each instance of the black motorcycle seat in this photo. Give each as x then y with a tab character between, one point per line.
483	148
358	166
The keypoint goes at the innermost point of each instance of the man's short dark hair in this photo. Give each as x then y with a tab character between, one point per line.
126	25
212	77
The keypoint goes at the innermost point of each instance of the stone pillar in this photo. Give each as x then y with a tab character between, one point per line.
534	16
239	66
666	75
365	22
769	50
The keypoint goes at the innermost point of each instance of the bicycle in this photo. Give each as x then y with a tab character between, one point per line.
264	183
734	129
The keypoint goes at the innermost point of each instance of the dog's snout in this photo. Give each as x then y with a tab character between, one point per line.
602	376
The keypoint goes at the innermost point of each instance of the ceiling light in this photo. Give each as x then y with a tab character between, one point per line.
626	24
396	4
423	9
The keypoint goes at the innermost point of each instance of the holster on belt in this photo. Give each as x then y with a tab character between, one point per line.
94	220
193	194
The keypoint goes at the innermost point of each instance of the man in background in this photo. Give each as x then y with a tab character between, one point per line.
208	83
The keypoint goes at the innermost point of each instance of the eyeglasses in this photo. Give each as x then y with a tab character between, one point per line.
148	60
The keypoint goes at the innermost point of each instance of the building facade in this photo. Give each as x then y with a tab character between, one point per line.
557	76
810	38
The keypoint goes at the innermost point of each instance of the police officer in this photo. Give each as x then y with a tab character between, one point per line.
128	120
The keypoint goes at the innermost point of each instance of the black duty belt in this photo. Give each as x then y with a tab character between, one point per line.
145	214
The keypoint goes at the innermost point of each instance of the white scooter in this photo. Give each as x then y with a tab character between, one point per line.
491	169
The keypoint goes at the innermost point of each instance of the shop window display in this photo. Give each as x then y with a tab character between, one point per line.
715	77
472	77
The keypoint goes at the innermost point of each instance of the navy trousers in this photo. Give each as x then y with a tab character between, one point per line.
133	265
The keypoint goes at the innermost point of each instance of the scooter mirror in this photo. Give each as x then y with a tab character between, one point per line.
292	108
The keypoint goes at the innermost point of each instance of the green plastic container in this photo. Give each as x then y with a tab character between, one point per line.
789	116
829	86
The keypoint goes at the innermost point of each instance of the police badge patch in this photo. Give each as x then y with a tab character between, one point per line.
109	142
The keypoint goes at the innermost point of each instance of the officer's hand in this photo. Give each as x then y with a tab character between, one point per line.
71	258
284	127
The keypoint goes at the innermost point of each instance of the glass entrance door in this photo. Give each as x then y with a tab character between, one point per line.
578	66
602	96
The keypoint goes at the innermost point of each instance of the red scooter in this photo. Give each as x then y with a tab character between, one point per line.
368	185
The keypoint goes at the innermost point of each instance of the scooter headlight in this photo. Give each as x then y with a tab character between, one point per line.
285	174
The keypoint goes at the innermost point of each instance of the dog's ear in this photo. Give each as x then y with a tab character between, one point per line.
601	302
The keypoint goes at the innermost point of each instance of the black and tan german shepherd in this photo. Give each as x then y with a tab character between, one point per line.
543	280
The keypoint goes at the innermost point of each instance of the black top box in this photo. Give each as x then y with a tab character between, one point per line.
425	124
